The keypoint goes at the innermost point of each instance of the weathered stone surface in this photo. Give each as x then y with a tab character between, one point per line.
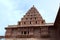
31	27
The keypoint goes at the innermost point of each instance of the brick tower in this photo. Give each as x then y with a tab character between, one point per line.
31	27
32	17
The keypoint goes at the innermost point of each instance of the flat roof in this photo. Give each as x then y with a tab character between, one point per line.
15	26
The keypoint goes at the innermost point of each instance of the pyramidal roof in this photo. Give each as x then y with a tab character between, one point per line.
32	17
33	11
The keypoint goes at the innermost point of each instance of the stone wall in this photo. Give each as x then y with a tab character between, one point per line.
27	39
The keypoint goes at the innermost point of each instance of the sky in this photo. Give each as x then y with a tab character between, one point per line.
11	11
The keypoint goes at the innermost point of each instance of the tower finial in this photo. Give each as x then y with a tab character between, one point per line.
33	5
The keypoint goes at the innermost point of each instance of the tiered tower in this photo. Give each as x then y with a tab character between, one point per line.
32	17
31	27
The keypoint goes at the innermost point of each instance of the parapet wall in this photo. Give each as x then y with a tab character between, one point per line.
27	39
